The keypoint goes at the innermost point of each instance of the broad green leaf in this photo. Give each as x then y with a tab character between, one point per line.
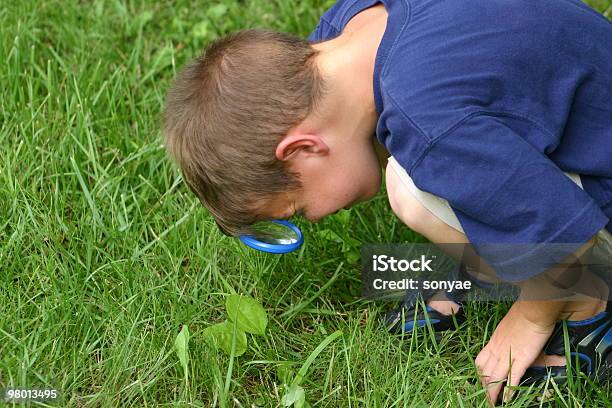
144	17
344	216
221	335
352	242
138	22
299	403
181	345
217	11
353	255
201	30
248	313
294	396
330	236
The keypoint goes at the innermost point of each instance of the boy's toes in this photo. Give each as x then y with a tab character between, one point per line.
446	307
548	360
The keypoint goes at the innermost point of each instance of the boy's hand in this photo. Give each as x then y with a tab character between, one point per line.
514	346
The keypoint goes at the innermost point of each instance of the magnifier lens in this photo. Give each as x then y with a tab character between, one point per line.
276	237
274	233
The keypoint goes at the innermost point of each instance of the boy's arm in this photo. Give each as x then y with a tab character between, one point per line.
543	296
520	211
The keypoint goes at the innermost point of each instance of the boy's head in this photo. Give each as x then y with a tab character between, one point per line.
252	127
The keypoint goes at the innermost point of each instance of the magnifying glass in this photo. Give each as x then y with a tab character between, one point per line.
275	237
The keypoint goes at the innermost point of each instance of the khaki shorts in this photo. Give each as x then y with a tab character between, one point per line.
602	250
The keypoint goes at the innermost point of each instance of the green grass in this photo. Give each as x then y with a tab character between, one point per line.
104	253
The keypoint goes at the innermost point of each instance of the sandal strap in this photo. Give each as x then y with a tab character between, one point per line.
403	320
539	374
409	304
590	341
458	273
583	335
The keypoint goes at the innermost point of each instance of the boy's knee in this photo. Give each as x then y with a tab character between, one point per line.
416	216
412	213
408	208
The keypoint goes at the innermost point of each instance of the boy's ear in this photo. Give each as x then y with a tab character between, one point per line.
294	145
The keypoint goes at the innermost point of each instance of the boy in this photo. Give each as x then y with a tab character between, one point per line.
481	103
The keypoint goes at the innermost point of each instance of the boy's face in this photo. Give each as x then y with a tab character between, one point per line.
342	176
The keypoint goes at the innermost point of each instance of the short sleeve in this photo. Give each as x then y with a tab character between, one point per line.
505	190
322	32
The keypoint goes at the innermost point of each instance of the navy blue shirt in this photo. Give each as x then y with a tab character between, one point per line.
486	103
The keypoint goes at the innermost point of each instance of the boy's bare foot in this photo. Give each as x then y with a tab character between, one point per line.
440	303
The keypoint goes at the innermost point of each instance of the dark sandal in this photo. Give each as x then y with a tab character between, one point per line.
407	316
590	342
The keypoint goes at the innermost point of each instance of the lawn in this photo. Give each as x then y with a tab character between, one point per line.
105	255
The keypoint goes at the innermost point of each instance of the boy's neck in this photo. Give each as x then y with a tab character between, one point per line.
347	64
